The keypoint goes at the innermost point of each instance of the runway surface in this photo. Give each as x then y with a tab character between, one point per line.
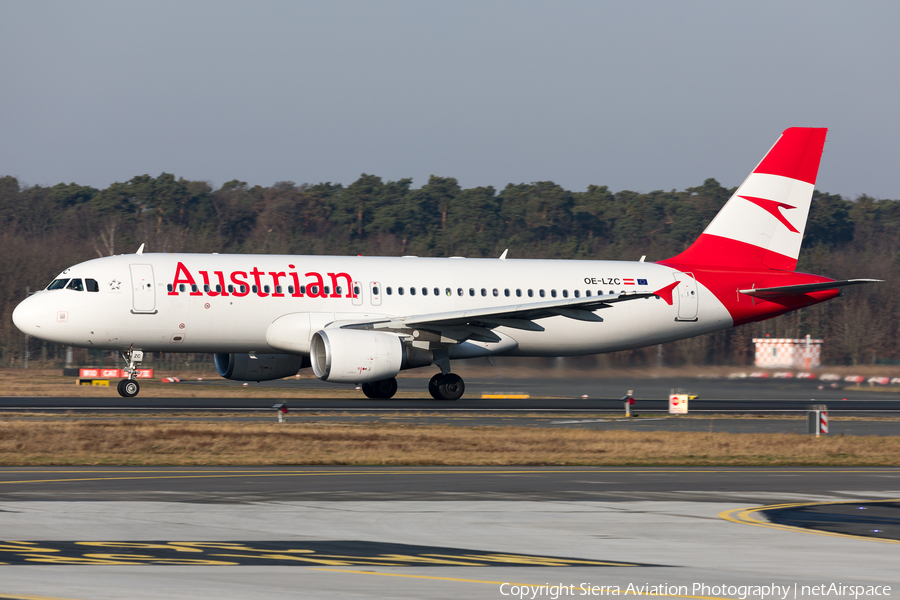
546	394
577	384
305	532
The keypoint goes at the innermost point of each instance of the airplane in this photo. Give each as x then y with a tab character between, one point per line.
362	320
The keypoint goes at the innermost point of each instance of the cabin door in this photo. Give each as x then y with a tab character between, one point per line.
143	288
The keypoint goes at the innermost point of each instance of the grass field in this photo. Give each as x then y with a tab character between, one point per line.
137	442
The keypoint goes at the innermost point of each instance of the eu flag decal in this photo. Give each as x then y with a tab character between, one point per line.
642	282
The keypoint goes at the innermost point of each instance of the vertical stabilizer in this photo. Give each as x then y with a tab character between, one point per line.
762	225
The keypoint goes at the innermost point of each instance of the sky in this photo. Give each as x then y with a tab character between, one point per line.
639	95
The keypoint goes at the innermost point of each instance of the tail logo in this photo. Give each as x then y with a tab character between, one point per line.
772	207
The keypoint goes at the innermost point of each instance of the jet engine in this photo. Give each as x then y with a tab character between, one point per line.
258	367
356	356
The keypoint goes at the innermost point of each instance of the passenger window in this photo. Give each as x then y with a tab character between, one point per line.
506	292
218	288
553	293
194	287
587	292
356	290
92	285
471	291
542	293
375	290
412	291
230	289
205	288
338	290
253	289
57	284
459	291
277	289
327	290
496	292
577	294
243	289
389	291
266	289
531	293
302	289
76	285
169	287
483	292
313	290
518	293
180	287
437	292
291	290
565	293
611	292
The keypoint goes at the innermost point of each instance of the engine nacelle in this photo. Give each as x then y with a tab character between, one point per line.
355	355
259	367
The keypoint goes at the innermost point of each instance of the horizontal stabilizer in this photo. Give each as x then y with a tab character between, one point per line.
792	290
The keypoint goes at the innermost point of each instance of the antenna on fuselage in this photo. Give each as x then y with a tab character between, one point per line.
140	250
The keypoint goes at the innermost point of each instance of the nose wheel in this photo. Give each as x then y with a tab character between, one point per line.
128	388
446	387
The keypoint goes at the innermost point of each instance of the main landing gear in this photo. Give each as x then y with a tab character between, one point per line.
446	387
129	388
386	388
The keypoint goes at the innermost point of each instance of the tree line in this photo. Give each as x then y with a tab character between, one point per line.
47	228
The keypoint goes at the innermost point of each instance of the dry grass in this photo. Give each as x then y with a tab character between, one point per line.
132	442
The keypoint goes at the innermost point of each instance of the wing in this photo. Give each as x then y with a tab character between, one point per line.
791	290
476	324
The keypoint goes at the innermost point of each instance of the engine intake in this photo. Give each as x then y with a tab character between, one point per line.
355	355
259	367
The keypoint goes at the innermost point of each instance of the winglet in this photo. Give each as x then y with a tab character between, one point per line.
503	256
140	250
666	292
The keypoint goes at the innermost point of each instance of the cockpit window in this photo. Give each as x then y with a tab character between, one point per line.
92	285
57	284
76	285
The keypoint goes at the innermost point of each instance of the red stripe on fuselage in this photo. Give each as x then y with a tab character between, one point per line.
724	283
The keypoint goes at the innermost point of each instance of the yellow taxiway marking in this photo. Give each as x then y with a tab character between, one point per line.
534	585
255	473
27	597
744	517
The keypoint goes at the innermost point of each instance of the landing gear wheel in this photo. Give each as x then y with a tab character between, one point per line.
128	388
450	387
386	388
433	387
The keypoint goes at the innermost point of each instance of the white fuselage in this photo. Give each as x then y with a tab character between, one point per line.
134	306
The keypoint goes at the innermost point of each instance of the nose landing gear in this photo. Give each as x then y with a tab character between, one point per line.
129	388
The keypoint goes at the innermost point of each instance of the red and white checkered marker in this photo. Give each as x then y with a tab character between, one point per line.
823	421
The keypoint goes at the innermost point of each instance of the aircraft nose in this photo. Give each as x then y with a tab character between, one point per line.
26	317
